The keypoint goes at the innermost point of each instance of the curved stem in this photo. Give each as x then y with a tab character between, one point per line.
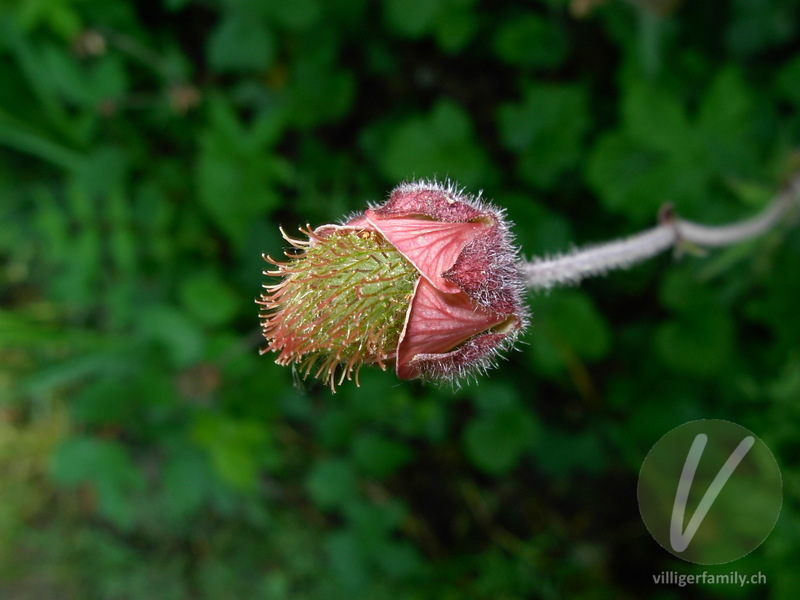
574	266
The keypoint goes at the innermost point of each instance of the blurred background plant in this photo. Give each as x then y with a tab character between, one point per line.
148	152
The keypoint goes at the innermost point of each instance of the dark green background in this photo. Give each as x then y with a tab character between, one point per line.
148	153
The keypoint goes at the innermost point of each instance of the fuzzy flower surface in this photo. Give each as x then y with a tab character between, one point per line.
428	282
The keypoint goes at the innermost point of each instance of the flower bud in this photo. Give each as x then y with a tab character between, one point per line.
428	282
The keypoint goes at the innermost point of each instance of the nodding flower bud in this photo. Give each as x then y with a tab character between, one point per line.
428	282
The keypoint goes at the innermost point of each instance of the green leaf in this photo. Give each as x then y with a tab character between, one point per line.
58	15
174	330
21	138
374	520
107	467
379	456
531	41
636	181
494	443
787	81
568	328
777	306
547	130
335	428
411	18
726	105
235	176
539	231
104	401
319	91
87	86
372	527
560	453
241	42
400	560
176	5
656	118
441	144
298	14
347	558
682	291
455	28
494	396
725	123
103	170
332	482
238	447
186	483
698	343
209	298
753	27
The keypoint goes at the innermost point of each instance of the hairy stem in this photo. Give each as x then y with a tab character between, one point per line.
574	266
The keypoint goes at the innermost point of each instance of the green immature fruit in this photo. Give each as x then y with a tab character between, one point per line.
342	303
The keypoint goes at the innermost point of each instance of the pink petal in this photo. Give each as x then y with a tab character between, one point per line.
438	323
432	247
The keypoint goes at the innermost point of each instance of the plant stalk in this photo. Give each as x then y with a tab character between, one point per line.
576	265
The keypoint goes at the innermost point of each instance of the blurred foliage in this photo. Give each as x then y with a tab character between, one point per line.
148	153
